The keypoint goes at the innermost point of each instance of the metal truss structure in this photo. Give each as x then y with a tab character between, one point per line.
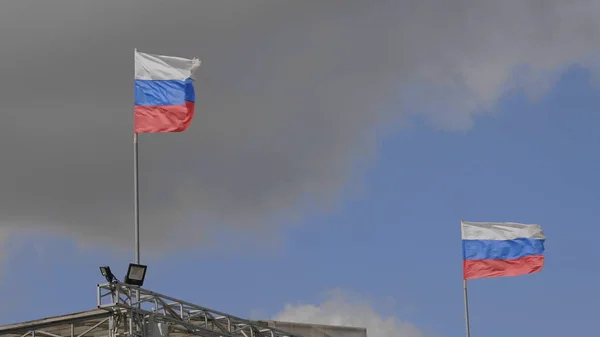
93	323
119	313
155	311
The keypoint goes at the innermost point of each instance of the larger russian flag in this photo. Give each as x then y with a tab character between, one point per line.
164	93
494	249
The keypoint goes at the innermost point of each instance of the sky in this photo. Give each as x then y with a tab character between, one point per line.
336	147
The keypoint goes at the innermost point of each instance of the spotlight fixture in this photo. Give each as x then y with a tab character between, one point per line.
108	275
136	273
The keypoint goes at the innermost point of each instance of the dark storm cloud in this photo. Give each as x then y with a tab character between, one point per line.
289	98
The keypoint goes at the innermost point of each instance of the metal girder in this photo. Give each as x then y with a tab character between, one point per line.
83	324
180	316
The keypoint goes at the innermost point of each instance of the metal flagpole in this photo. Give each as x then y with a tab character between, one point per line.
136	191
136	205
465	294
136	198
467	325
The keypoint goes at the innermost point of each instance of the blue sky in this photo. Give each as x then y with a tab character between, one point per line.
394	241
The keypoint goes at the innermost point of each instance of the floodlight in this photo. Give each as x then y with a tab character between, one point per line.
136	274
108	275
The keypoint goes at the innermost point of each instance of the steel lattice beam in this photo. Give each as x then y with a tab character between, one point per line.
120	299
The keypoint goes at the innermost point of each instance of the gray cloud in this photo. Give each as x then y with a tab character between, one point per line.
291	94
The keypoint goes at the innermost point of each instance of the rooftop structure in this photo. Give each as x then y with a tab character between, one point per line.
120	314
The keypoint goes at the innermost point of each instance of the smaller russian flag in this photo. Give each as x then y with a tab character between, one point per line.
164	93
495	249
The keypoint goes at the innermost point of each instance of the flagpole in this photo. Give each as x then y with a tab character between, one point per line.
136	206
136	191
466	297
136	198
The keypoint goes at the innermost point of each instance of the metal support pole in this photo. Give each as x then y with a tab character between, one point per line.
136	204
467	324
136	198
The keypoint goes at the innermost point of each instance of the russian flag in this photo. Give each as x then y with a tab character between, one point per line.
495	249
164	93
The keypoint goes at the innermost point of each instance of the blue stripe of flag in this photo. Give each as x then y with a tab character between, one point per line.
501	249
163	92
